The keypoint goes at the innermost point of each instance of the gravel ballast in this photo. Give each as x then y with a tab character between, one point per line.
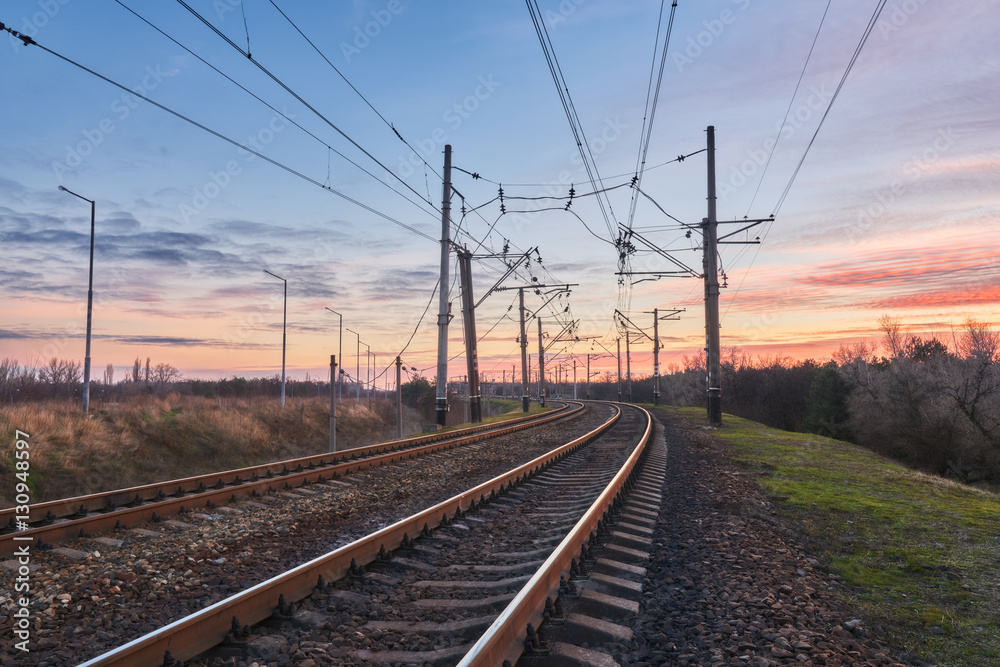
729	584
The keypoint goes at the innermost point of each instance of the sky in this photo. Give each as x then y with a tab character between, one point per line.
337	188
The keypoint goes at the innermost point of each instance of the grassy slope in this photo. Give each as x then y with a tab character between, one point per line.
921	554
151	439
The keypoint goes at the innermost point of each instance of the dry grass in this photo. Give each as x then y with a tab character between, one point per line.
152	438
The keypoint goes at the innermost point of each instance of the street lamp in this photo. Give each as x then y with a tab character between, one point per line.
284	319
340	357
90	305
357	377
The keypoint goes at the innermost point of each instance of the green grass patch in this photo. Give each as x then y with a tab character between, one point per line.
920	554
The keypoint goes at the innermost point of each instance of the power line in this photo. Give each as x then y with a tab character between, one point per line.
347	81
476	176
562	88
850	65
300	99
271	107
647	130
29	41
781	200
790	103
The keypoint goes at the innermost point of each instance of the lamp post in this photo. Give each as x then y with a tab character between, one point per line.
357	377
284	319
340	355
90	305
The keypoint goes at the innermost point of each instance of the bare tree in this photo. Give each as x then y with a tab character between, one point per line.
163	374
974	379
893	335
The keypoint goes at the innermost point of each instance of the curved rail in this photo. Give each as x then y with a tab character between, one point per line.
504	640
194	634
104	511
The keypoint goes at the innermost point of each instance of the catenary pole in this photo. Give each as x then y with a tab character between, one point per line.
710	230
399	398
524	356
443	306
619	342
656	357
333	403
541	365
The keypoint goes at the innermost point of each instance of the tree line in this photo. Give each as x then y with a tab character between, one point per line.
928	402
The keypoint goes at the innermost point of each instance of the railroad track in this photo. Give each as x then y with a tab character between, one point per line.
60	520
518	545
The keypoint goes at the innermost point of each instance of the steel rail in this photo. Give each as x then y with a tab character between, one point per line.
194	634
218	488
504	640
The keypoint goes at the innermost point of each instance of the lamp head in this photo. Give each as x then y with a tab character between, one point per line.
63	189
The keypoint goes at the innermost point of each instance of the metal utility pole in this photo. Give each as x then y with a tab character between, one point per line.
284	320
656	358
711	272
90	305
628	368
588	376
399	398
574	378
469	320
333	403
619	342
340	355
368	387
671	315
541	365
357	377
441	404
524	356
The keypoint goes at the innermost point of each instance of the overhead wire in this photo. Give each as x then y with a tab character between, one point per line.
647	128
275	110
300	99
781	200
836	93
29	41
791	101
562	88
354	88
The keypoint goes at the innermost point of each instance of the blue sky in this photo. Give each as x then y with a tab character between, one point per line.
891	212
